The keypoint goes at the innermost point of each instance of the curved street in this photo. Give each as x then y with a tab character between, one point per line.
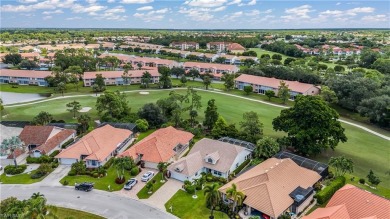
106	204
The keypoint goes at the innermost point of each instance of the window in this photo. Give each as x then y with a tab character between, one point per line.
94	163
217	173
209	160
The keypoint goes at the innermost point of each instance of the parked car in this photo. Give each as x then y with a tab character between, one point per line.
130	183
147	176
1	167
85	186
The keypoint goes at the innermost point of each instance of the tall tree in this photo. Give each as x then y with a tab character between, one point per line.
373	179
183	80
43	118
177	71
228	81
284	92
236	195
152	113
328	95
74	107
213	197
377	109
84	120
61	88
77	70
195	103
211	114
12	58
341	164
99	83
266	147
112	106
165	79
207	81
146	78
222	129
126	76
10	145
121	164
311	125
248	89
193	73
269	94
252	127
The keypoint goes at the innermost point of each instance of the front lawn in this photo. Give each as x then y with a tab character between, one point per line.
100	183
66	213
24	178
185	207
143	193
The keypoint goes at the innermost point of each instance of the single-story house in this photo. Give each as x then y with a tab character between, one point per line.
41	140
97	147
351	202
209	156
274	187
164	145
115	77
262	84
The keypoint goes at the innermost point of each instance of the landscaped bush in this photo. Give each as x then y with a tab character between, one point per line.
362	181
37	175
55	153
32	160
12	170
324	195
65	183
330	175
54	165
67	143
134	171
95	175
108	163
44	168
190	189
72	173
239	168
317	186
41	159
120	181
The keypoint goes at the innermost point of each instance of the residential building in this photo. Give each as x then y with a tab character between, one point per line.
351	202
164	145
97	147
274	187
24	77
262	84
225	47
235	48
210	67
40	140
209	156
185	45
115	77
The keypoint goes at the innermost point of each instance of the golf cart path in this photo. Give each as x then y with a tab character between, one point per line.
210	91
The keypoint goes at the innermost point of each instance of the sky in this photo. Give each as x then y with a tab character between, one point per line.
195	14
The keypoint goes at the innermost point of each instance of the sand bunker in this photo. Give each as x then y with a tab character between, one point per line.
143	92
85	109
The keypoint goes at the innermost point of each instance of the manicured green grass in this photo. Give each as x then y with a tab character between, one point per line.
185	207
24	178
100	183
367	151
67	213
143	193
143	135
379	190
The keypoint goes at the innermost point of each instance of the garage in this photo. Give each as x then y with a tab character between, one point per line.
67	161
178	176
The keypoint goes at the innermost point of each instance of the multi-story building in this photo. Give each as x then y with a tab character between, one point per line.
24	77
184	45
115	77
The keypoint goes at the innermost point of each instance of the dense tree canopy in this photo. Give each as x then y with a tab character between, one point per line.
311	125
112	106
211	114
152	114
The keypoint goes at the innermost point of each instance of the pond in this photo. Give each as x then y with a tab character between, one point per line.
11	98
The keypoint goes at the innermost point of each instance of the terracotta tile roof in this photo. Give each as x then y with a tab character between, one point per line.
335	212
273	82
267	186
55	140
358	203
118	74
222	152
235	46
35	135
96	145
24	73
158	146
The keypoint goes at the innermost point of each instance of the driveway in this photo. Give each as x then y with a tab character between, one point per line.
133	192
164	193
106	204
53	179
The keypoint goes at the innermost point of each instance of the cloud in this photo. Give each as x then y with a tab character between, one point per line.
58	11
197	14
47	17
77	8
150	16
27	1
110	1
145	8
252	2
234	2
48	4
375	18
300	12
350	12
338	3
91	1
205	3
136	1
118	9
222	8
73	18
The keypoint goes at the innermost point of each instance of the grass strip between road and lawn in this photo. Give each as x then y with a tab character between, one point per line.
143	193
67	213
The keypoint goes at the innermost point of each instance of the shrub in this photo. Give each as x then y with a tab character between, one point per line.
108	163
119	180
12	170
67	143
95	175
317	186
54	165
362	181
65	183
55	153
44	168
330	175
190	189
45	159
72	173
209	178
134	171
37	175
324	195
33	160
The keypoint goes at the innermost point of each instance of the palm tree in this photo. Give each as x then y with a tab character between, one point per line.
236	195
11	145
212	197
122	163
162	167
84	119
36	195
145	79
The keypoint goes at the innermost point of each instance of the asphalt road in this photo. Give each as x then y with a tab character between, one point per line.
109	205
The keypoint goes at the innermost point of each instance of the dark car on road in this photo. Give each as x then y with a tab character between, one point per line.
85	186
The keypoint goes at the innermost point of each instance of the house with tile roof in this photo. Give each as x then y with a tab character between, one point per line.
24	77
40	140
351	202
209	156
115	77
164	145
97	147
274	187
262	84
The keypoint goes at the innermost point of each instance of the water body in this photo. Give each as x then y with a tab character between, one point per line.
11	98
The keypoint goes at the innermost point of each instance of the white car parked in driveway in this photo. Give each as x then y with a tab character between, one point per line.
147	176
130	183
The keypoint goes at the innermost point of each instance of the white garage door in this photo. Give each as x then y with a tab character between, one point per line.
178	176
67	161
151	165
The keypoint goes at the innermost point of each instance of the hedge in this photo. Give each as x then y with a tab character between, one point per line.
239	168
70	141
324	195
12	170
55	153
